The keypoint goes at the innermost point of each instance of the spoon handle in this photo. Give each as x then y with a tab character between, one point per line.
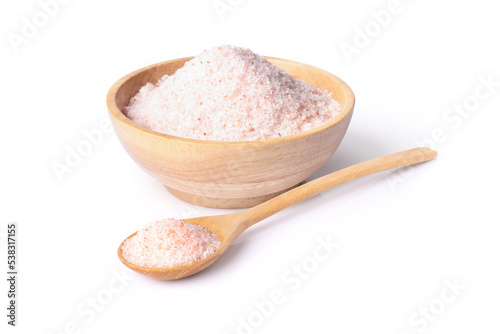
278	203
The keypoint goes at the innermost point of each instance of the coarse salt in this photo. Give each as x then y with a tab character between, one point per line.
229	93
169	243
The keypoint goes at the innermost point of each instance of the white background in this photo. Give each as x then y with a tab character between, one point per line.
402	235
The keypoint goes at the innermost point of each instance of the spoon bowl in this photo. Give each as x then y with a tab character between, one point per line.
220	225
229	226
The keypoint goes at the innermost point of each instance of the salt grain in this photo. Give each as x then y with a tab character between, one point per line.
169	243
231	94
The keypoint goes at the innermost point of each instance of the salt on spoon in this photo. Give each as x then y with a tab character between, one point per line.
169	243
217	233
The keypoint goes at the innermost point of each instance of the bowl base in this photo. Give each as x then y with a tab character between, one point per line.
225	203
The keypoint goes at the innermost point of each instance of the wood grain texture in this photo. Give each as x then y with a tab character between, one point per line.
229	174
229	226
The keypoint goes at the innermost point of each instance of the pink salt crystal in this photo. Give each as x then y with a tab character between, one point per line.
231	94
169	243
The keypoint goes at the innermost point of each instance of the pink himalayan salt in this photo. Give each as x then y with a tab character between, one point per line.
231	94
169	243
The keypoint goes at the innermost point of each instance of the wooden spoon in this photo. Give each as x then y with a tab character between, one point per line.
229	226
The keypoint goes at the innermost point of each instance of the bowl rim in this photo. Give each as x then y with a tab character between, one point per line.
118	115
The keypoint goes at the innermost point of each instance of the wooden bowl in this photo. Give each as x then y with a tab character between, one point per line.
229	174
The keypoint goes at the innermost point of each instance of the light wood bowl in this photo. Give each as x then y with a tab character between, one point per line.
229	174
